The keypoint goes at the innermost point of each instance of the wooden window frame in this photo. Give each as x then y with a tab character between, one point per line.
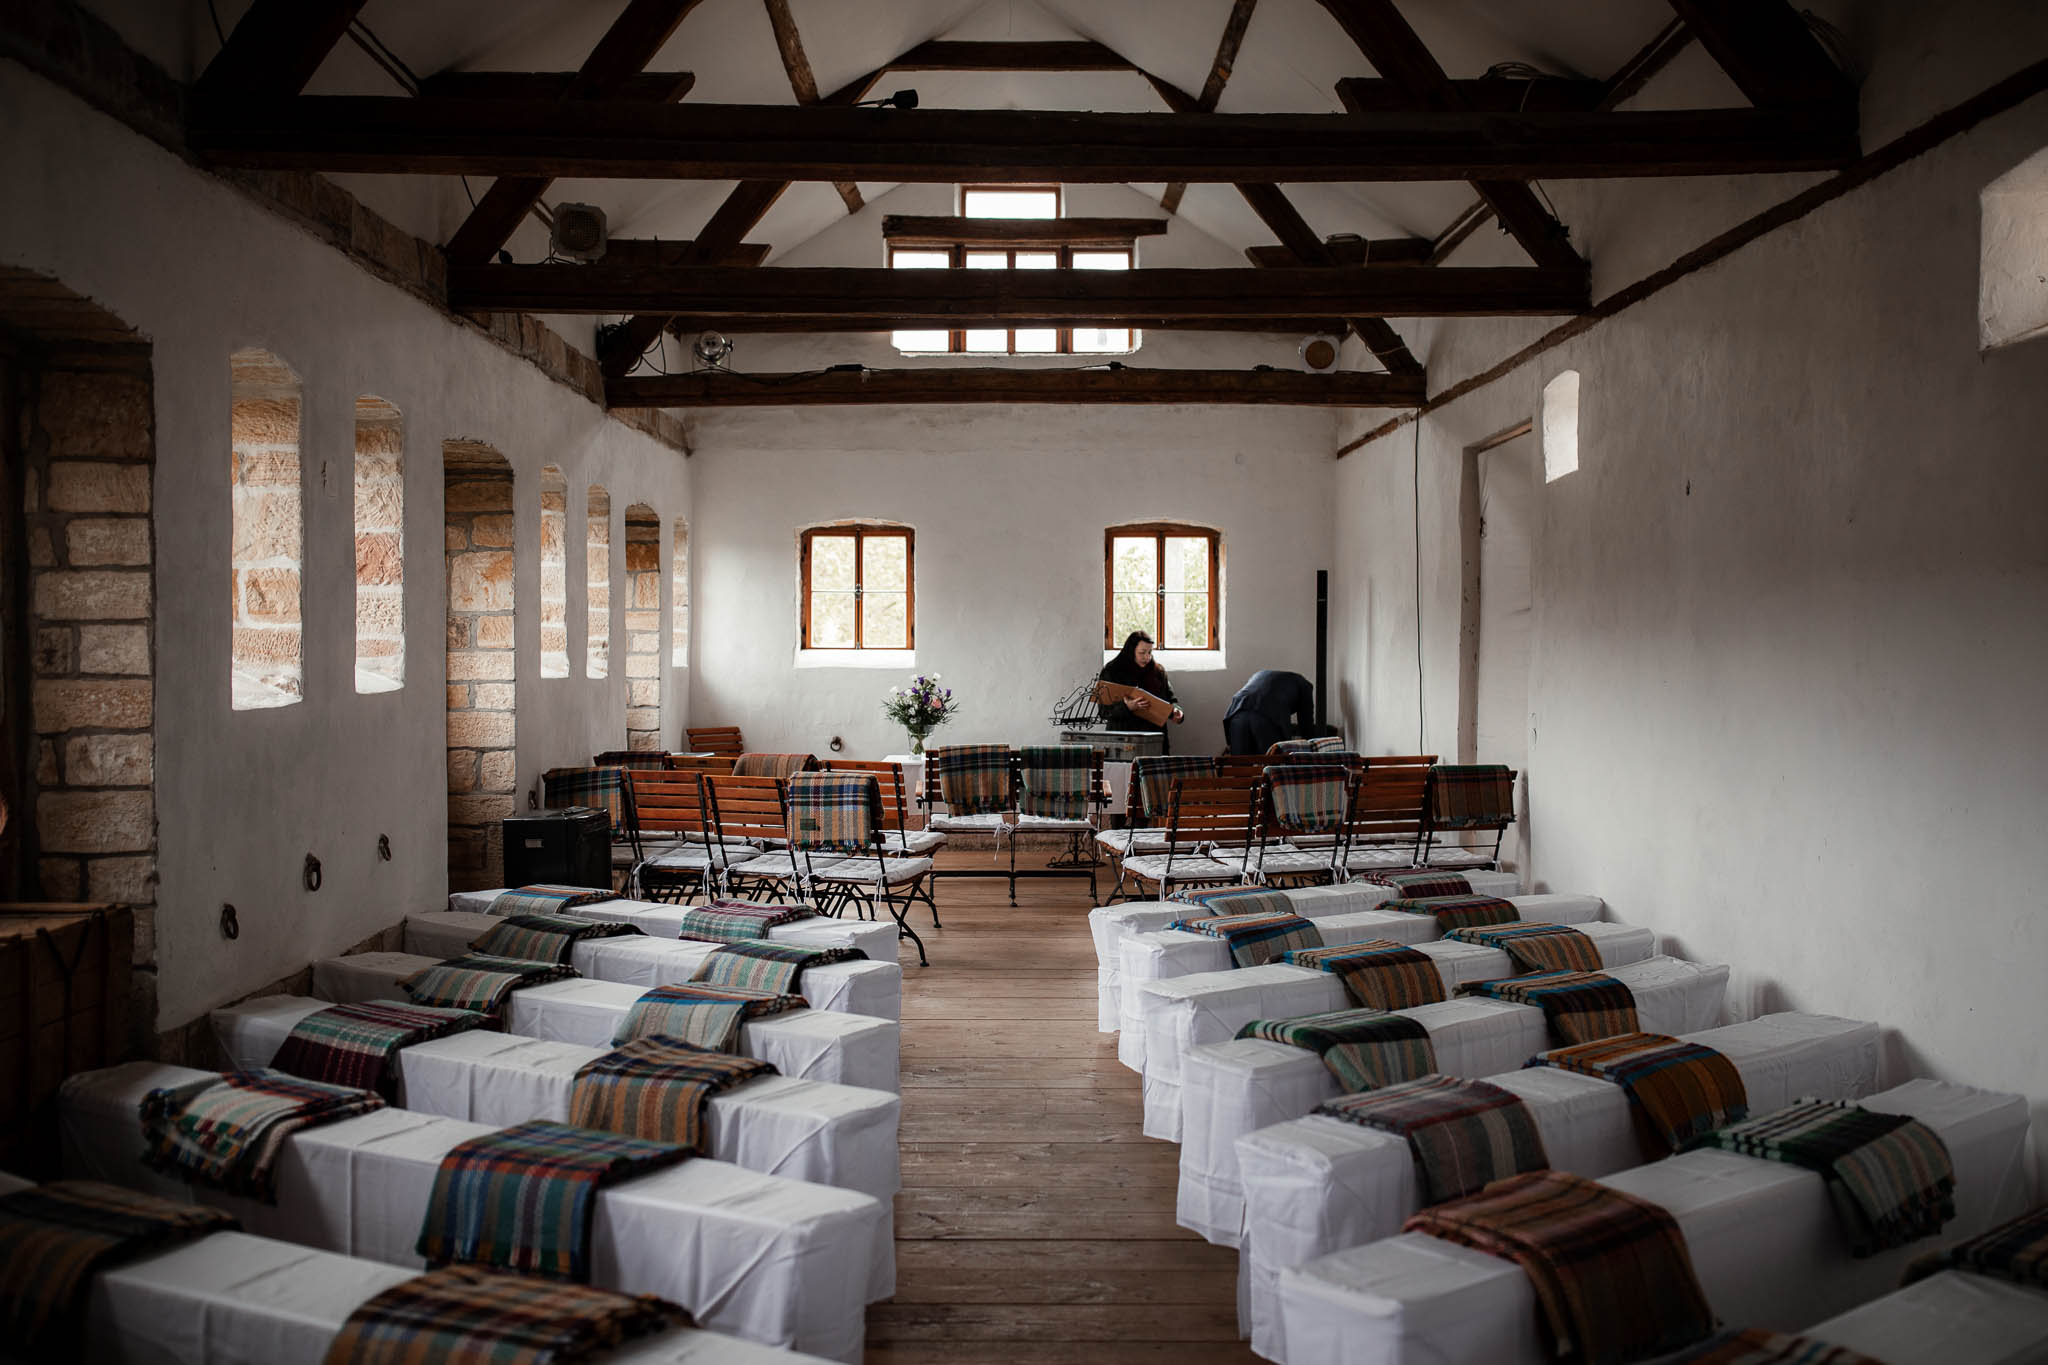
860	531
1160	532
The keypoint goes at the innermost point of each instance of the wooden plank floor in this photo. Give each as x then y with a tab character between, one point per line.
1036	1223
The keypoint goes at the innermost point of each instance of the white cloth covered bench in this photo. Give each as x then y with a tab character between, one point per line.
1762	1236
872	987
1953	1318
814	1044
773	1260
876	938
1187	1012
1313	1184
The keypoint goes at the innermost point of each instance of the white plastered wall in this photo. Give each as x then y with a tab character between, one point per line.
244	796
1009	504
1789	613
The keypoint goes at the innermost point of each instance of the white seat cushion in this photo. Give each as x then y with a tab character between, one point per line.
766	865
912	840
1298	861
1043	823
1183	867
872	871
970	824
697	857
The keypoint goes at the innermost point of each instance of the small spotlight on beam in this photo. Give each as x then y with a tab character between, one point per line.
902	99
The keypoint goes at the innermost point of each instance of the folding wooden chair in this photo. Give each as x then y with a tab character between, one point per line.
716	739
673	857
835	841
1305	835
1205	813
897	835
1146	807
750	814
1388	822
1465	799
1038	813
600	787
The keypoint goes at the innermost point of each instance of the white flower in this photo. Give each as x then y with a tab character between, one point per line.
937	676
895	691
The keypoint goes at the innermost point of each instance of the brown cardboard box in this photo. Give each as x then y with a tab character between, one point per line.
1141	703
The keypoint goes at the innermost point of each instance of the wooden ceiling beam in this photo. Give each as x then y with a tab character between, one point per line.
1005	232
977	296
633	40
645	87
1487	94
605	140
1212	86
757	324
275	48
1278	213
1770	53
946	384
1375	251
1002	56
646	252
802	84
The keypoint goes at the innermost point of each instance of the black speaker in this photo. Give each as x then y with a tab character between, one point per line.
567	847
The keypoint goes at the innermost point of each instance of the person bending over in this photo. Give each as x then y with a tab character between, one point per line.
1271	707
1134	666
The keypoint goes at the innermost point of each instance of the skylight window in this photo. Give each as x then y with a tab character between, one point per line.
1011	202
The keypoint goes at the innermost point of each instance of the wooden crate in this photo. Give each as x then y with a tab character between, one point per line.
66	976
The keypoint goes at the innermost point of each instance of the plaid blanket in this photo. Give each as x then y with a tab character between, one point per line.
1535	947
1754	1346
1677	1091
478	981
764	966
545	938
1379	974
709	1016
1463	1134
353	1045
632	758
656	1088
2015	1250
974	779
1291	746
548	900
1580	1007
1153	776
1363	1049
1418	883
227	1131
835	812
1308	798
1053	780
1472	796
1255	939
1888	1176
738	921
602	788
463	1314
54	1238
523	1198
1613	1279
1235	900
770	765
1458	912
1328	743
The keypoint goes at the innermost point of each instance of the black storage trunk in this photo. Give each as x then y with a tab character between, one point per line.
567	847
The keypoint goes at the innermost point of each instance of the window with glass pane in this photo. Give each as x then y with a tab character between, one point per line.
922	340
859	591
1010	201
1162	579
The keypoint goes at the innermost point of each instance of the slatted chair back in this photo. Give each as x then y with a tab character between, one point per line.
632	758
1216	810
1392	806
1097	799
744	808
668	803
889	777
724	740
702	763
1146	771
1280	822
1241	765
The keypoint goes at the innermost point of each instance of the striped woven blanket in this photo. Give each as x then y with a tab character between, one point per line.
523	1198
1256	939
709	1016
1469	796
227	1131
353	1045
1754	1346
602	787
478	981
1580	1007
974	779
1235	900
1457	912
1363	1049
1536	947
834	812
547	899
1308	798
54	1238
1677	1091
1379	974
738	921
1153	776
2016	1250
545	938
1419	883
1613	1278
770	765
464	1314
1053	780
1463	1134
763	966
656	1088
1888	1176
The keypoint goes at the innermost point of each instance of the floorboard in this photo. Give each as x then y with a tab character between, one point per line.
1036	1222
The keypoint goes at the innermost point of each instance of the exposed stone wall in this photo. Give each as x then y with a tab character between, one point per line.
90	454
598	586
269	536
380	546
482	692
554	573
643	628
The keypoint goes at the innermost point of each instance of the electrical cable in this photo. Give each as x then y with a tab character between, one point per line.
381	53
1416	467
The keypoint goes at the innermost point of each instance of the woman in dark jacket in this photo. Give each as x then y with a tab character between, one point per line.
1134	666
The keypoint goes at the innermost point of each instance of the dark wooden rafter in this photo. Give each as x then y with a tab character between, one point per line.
944	384
275	48
939	296
802	84
641	251
1280	216
1350	251
903	228
739	213
1212	87
618	59
1486	94
1001	56
1770	53
1632	77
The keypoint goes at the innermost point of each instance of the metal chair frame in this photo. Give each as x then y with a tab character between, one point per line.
833	896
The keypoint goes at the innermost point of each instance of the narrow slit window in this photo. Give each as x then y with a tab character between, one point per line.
597	657
380	546
643	627
554	573
266	661
1561	426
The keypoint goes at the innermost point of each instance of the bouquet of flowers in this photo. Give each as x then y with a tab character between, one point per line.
920	708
